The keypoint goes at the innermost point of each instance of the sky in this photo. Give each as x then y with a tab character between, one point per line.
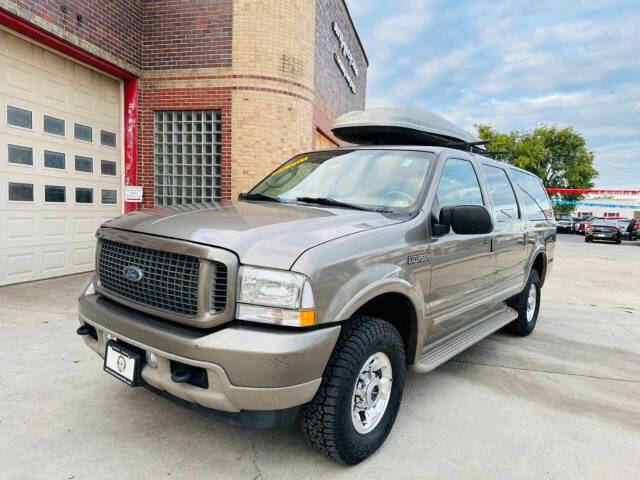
514	65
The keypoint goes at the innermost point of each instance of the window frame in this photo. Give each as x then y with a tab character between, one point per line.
64	121
75	196
436	184
109	174
75	169
513	190
64	187
115	136
6	118
30	165
80	139
33	192
102	190
44	164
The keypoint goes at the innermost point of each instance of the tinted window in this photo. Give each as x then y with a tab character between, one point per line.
54	159
107	167
20	192
505	206
53	125
54	194
82	132
107	139
84	195
84	164
110	197
20	155
458	185
19	117
533	195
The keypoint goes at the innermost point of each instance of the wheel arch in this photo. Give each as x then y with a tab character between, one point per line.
395	303
538	262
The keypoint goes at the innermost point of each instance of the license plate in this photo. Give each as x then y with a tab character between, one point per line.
123	363
600	235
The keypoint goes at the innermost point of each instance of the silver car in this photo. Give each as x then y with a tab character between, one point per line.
314	293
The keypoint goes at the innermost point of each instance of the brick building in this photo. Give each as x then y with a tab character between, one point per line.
193	100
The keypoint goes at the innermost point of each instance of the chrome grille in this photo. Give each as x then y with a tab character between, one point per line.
218	287
169	281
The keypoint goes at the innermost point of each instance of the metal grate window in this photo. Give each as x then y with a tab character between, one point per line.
169	281
186	157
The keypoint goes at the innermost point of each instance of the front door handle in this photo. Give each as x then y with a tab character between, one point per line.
487	241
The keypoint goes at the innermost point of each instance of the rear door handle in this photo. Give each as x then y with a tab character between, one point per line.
487	241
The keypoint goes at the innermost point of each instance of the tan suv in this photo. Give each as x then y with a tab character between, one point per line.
312	294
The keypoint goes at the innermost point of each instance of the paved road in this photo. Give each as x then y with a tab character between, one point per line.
561	403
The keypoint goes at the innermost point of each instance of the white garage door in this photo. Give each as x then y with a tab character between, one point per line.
60	160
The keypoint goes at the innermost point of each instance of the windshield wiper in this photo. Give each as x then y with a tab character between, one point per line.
330	202
260	197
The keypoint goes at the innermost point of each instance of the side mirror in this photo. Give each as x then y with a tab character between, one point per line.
467	219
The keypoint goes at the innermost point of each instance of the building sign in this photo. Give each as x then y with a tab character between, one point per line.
132	194
348	56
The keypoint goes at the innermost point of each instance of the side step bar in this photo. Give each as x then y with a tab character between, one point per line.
449	347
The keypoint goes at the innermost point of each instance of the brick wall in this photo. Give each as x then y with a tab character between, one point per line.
207	98
186	34
331	89
272	116
114	26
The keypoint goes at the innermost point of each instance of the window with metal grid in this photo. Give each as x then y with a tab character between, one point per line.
169	280
186	148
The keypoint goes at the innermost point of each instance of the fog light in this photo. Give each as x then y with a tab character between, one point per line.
152	360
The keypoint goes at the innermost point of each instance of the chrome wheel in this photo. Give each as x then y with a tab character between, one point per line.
531	302
371	393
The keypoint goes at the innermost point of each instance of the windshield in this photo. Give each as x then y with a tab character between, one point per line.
387	179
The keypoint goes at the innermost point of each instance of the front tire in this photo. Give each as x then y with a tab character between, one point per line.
527	304
346	420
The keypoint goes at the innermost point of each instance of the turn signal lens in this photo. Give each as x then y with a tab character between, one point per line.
307	318
275	316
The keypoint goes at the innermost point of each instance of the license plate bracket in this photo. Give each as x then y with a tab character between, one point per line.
123	362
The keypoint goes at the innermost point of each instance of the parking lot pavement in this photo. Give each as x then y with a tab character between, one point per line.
563	402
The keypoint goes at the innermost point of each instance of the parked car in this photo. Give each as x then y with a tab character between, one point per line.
629	228
609	230
584	224
564	223
313	293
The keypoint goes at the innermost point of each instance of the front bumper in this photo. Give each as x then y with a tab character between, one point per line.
248	367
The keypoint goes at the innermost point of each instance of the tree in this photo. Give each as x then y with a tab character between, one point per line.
559	156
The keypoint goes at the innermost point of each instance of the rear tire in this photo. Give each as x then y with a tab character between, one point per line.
619	240
527	304
336	422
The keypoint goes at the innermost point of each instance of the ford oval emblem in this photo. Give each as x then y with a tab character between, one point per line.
132	273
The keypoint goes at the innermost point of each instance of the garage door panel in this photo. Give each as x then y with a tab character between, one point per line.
55	228
55	260
21	228
19	79
54	89
42	239
21	265
84	257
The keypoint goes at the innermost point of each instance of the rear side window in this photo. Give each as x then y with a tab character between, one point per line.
505	205
533	195
458	185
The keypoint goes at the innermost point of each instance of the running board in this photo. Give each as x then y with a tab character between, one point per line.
451	346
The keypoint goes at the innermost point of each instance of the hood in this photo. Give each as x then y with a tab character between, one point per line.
263	234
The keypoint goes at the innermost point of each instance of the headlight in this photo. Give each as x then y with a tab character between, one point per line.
275	296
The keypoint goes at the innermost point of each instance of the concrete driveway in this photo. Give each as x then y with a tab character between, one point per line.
561	403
